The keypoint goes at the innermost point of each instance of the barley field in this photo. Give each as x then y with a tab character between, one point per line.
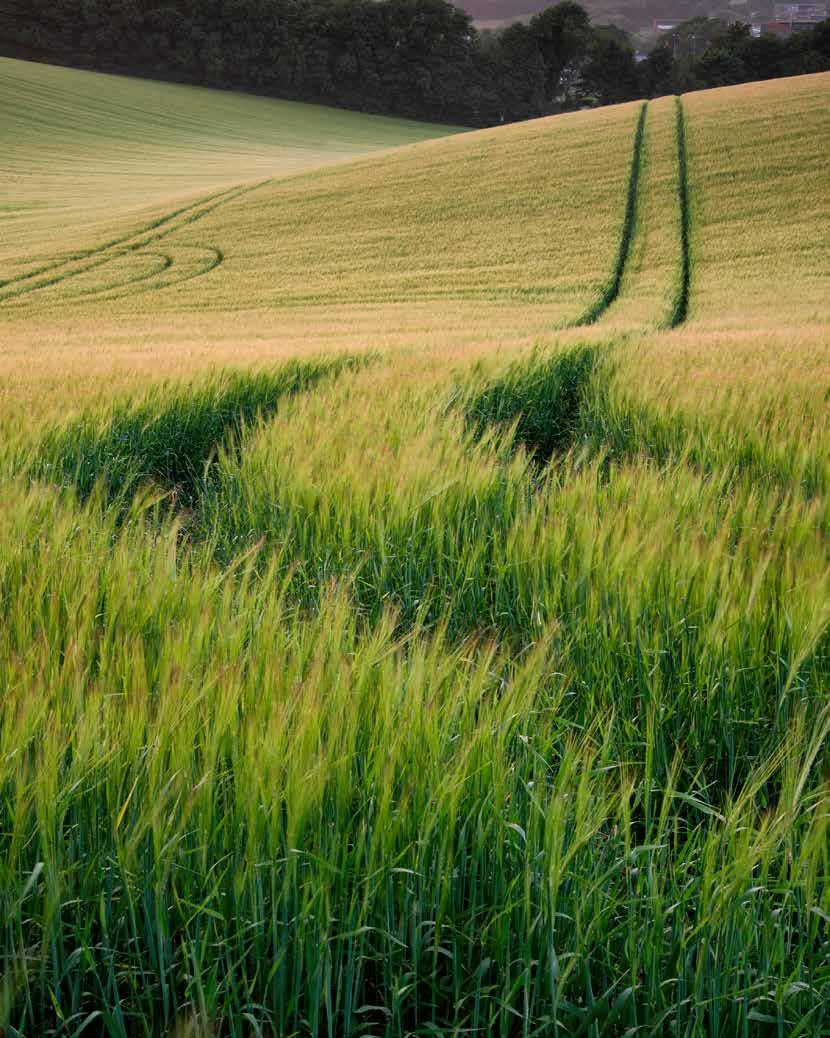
414	567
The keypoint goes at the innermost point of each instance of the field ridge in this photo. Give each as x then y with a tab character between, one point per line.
680	306
612	288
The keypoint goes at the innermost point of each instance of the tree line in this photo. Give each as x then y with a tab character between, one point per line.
729	55
418	58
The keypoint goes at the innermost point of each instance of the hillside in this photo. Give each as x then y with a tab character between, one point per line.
375	234
415	571
516	242
83	150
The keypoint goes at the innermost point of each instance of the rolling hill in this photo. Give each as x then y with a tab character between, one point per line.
414	568
83	149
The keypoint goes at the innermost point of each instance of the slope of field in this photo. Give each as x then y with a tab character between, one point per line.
379	231
515	241
458	662
761	242
82	152
754	354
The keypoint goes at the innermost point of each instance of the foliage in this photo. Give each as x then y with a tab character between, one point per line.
169	443
420	59
609	75
707	53
414	58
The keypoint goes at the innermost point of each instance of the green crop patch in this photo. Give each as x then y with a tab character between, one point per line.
170	436
553	404
540	399
619	428
680	308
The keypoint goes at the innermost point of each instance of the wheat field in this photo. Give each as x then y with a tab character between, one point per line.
414	567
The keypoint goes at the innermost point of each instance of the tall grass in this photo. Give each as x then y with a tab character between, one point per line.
445	720
688	581
420	699
169	436
541	399
221	816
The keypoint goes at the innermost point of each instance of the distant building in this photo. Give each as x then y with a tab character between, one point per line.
770	28
789	18
807	13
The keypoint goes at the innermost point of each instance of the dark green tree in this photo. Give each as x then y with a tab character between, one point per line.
657	74
610	71
562	34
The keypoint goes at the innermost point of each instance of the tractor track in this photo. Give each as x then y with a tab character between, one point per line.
612	288
56	272
680	307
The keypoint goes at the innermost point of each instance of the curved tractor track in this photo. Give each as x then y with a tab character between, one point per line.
168	267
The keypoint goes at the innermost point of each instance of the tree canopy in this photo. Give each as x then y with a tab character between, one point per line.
418	58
